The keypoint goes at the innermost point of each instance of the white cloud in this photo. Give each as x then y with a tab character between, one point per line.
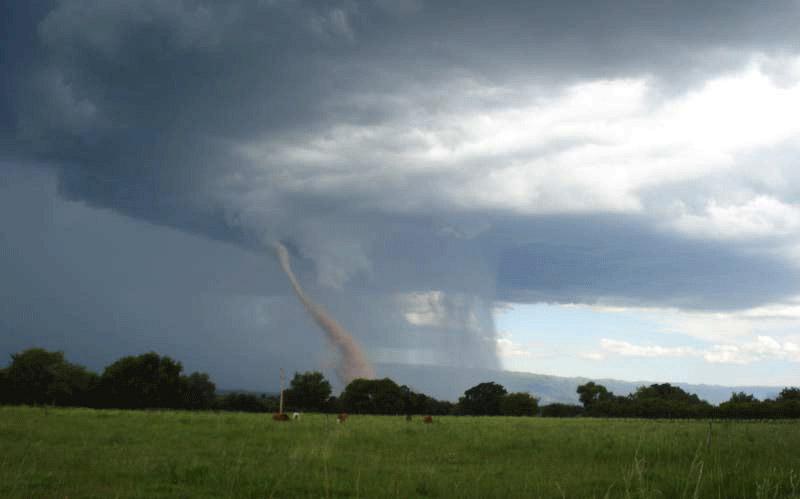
630	350
774	319
507	348
440	310
789	310
516	353
758	217
502	307
604	145
727	354
708	326
762	348
593	146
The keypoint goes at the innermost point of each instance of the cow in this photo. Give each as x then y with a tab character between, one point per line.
280	416
427	419
341	418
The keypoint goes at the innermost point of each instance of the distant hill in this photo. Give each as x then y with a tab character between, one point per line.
449	383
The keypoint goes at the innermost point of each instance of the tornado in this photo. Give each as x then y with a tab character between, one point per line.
352	362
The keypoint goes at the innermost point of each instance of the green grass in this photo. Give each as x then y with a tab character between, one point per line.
105	454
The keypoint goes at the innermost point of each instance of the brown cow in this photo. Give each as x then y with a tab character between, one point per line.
427	419
280	416
341	418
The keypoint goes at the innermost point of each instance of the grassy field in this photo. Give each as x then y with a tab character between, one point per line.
105	454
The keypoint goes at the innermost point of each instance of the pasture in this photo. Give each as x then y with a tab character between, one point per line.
79	453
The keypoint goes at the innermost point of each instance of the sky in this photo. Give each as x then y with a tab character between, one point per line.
604	189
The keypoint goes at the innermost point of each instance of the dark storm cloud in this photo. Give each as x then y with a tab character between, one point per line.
321	124
100	286
608	259
154	72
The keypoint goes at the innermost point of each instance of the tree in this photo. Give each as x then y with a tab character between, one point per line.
373	396
742	406
519	404
419	403
742	398
38	376
333	405
483	399
199	392
591	392
665	391
5	387
440	407
143	381
308	391
788	394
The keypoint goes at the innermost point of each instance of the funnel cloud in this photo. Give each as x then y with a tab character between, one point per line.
353	363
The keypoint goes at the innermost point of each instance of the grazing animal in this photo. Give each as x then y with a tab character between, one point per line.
427	419
280	416
341	418
296	415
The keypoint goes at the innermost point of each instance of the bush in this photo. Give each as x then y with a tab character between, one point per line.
519	404
199	392
562	411
246	402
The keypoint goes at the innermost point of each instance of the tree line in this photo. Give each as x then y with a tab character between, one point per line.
667	401
152	381
40	377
